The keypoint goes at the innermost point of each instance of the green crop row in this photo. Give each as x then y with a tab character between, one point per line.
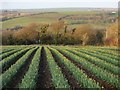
13	70
5	50
105	59
57	77
104	52
78	74
101	63
101	73
29	80
114	53
110	48
8	53
101	52
7	61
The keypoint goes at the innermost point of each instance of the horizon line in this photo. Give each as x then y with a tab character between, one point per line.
68	8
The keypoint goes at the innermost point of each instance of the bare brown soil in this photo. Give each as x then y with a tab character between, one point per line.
6	67
90	74
117	74
20	74
44	78
71	80
6	51
9	54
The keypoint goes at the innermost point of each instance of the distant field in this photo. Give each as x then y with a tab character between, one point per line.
25	21
60	67
80	12
39	18
52	17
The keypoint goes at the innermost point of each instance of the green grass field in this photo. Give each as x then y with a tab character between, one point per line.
47	66
24	21
80	12
49	18
39	18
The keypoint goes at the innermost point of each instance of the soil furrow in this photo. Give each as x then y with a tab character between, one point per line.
13	62
97	64
9	55
20	74
44	78
6	51
90	74
71	80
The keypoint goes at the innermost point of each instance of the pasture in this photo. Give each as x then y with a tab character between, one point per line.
72	18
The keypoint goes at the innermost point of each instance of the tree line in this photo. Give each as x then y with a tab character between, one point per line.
59	33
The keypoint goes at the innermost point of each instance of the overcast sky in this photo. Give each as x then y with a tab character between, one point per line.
34	4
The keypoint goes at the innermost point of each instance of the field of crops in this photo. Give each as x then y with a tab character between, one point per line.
59	67
72	18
